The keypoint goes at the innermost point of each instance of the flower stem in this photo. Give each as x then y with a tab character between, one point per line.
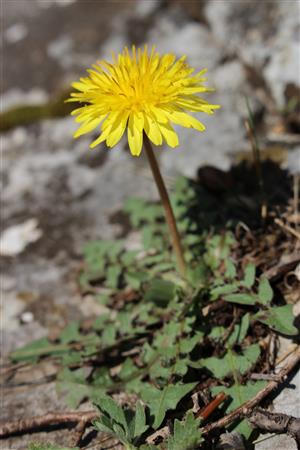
170	218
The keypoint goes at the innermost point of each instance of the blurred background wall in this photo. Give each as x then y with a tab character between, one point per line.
56	193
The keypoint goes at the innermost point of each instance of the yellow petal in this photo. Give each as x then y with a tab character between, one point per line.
195	89
152	130
88	126
159	114
118	131
100	139
169	134
144	91
196	105
81	86
86	115
77	110
135	134
185	120
106	129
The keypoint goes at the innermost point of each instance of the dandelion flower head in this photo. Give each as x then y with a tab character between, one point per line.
142	92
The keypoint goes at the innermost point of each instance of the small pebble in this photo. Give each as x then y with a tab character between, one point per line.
16	33
27	317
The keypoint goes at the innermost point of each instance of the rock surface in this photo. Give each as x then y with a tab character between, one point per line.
71	191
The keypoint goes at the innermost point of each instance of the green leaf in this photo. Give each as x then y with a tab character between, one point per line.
153	260
127	369
38	348
186	345
240	331
279	318
103	299
124	424
222	290
135	279
231	362
265	292
128	257
73	387
144	313
239	395
141	211
102	379
230	269
140	425
186	435
70	333
134	207
163	267
148	447
160	401
160	292
217	333
112	276
72	358
108	336
94	254
153	238
124	319
101	322
197	275
111	409
114	250
45	446
249	279
104	424
180	367
242	299
164	341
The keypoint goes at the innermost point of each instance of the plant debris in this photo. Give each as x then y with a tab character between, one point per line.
162	339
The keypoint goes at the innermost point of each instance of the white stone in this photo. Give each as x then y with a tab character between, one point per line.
144	8
223	135
229	77
293	161
57	49
15	33
27	317
64	2
297	274
48	3
15	97
284	67
191	39
80	180
11	306
284	64
16	238
217	13
276	442
7	283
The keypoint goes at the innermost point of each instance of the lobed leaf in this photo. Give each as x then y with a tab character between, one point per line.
280	319
265	292
160	401
186	435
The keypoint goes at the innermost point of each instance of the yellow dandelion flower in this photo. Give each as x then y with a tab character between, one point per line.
145	93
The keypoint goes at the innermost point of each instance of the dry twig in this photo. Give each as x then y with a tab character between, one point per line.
275	423
85	417
287	228
248	406
52	418
205	412
279	270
